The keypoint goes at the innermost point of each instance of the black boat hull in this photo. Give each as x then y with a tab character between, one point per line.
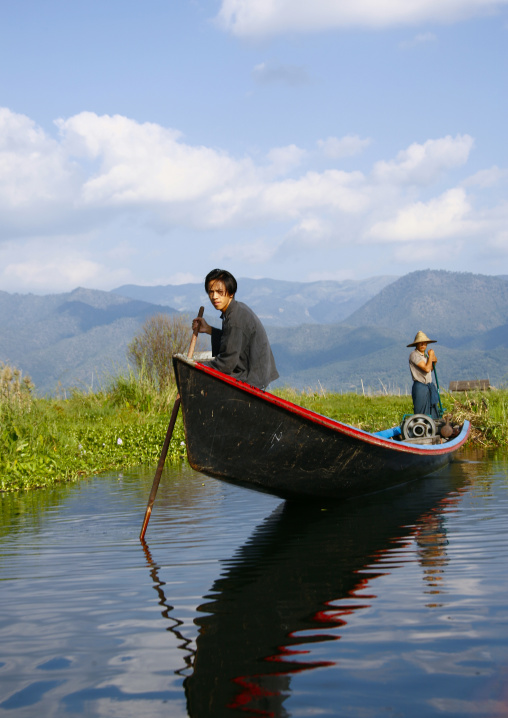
252	438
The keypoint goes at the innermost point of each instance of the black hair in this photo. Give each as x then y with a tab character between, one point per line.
222	275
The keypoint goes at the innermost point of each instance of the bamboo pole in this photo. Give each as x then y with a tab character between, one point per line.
167	440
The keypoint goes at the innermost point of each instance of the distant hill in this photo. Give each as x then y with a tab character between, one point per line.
446	305
72	339
276	302
78	338
466	313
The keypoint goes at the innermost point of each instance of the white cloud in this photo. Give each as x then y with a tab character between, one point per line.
423	163
122	251
143	163
258	18
180	278
256	252
332	189
499	245
426	253
311	231
441	217
423	38
495	248
122	194
74	272
288	199
266	73
486	178
285	159
347	146
38	181
109	165
49	267
32	166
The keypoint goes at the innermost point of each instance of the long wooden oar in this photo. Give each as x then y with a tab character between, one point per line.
165	446
438	391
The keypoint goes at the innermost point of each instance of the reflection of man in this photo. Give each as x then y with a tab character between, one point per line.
431	541
424	393
241	348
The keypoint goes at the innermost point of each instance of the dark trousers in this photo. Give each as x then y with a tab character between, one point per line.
425	399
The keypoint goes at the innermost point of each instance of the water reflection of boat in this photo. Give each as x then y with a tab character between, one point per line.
253	438
282	593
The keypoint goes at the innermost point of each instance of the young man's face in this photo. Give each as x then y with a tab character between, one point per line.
422	347
218	295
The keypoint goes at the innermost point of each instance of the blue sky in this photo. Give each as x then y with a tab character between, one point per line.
147	142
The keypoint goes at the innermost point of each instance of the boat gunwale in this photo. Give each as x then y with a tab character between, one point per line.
333	424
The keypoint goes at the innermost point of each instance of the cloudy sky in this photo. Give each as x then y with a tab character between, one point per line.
147	141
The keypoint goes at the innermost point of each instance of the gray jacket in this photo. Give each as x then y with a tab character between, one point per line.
241	348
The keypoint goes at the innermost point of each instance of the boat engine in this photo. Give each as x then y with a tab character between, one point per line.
418	426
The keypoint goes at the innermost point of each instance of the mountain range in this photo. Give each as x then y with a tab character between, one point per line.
76	339
466	313
338	336
276	302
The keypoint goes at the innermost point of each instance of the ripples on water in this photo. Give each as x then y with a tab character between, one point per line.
242	605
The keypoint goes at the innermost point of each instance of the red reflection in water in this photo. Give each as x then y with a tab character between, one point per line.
431	541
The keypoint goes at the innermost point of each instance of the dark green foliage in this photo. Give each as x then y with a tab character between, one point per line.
54	440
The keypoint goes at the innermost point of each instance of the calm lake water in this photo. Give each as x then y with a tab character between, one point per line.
242	605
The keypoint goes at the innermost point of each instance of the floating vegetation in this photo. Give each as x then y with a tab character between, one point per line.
486	410
48	440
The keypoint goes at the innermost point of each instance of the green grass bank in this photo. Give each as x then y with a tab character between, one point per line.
44	441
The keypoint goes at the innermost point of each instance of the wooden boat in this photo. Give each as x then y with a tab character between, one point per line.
255	439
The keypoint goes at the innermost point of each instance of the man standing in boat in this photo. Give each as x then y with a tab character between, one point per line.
424	392
241	348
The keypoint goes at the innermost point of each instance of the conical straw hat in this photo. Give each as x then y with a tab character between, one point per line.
420	338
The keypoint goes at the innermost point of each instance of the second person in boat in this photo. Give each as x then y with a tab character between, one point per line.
424	393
